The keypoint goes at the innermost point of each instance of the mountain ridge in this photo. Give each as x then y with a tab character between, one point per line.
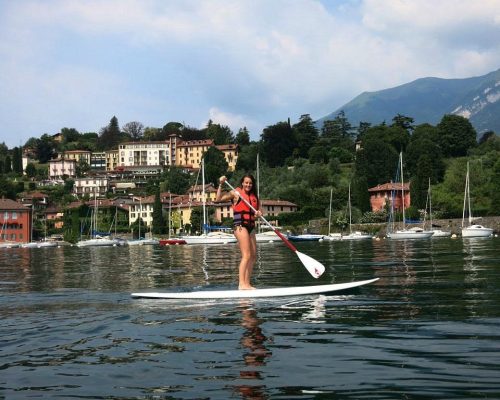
427	100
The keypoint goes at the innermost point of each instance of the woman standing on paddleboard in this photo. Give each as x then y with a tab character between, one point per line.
244	224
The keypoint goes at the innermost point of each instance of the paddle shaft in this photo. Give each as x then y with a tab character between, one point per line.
280	235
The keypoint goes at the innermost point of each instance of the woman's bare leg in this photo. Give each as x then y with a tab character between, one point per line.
247	259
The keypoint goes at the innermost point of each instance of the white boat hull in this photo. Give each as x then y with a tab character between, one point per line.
267	237
97	243
305	238
440	233
333	237
143	242
209	239
38	245
8	245
409	235
476	231
356	236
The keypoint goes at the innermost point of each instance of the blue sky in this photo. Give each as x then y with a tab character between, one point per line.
76	64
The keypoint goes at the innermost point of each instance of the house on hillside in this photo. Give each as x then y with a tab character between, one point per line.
15	222
230	154
382	195
90	186
189	153
60	168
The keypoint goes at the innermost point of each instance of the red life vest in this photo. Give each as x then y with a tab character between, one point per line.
242	213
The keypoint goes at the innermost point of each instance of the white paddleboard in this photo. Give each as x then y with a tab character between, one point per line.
240	294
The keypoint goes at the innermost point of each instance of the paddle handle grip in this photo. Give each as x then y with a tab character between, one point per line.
280	235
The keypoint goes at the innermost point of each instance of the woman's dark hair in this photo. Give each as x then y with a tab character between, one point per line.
254	186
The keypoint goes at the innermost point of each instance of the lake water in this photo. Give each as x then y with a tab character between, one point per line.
428	329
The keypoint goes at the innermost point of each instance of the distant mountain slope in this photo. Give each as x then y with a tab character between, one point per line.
427	100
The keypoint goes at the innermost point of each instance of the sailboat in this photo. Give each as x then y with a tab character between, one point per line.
412	233
142	241
331	236
96	239
207	238
39	244
170	240
436	232
356	235
473	230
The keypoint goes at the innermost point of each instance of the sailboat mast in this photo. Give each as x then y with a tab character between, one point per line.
203	194
349	204
468	193
330	212
402	187
466	190
169	214
258	185
430	202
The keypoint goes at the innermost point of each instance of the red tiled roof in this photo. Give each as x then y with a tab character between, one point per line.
8	204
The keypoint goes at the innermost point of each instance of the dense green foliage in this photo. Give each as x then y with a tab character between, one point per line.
299	163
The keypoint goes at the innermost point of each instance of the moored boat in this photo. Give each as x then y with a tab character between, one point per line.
473	230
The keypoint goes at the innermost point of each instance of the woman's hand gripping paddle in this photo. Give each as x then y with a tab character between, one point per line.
314	267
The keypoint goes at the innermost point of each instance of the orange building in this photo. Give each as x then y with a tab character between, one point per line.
15	220
381	195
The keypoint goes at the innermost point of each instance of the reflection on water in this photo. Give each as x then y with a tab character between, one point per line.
427	329
255	353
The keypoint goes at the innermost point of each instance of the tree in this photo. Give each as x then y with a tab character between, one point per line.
495	189
109	137
189	133
338	133
134	129
431	151
242	137
486	136
220	134
306	134
176	180
82	167
318	154
362	128
17	160
394	136
4	149
7	189
196	220
45	148
158	221
403	122
70	135
420	181
377	162
7	166
425	131
30	170
247	158
152	134
215	165
456	135
277	144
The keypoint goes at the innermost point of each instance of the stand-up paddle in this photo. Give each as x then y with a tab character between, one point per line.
314	267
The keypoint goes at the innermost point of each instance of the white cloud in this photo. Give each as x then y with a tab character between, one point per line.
233	121
258	61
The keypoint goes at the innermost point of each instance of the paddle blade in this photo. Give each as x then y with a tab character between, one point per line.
314	267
